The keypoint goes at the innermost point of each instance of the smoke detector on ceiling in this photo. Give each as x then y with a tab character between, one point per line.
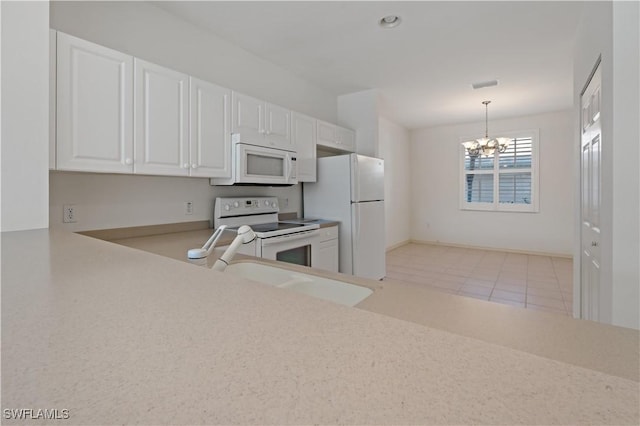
481	84
389	21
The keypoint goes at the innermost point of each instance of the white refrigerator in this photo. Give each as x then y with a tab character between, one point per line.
350	189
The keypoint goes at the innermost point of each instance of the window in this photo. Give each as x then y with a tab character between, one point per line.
505	181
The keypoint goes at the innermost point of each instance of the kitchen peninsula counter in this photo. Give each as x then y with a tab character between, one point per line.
117	335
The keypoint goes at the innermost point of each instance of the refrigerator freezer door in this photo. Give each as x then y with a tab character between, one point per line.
368	239
367	178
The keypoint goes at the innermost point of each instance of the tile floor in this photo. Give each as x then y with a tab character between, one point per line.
528	281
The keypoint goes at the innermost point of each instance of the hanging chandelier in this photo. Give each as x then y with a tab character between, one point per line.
486	145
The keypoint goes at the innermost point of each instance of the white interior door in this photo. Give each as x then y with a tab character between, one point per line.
590	158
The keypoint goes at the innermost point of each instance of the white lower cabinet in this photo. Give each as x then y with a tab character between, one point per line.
328	254
161	117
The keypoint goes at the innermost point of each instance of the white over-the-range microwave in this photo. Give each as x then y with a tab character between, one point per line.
259	165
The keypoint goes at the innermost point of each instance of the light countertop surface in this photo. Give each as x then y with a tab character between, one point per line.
117	335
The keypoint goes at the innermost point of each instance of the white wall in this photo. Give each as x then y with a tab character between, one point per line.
435	175
626	173
150	33
25	114
104	201
394	145
610	30
359	111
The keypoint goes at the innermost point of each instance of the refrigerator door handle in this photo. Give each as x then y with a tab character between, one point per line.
355	179
356	225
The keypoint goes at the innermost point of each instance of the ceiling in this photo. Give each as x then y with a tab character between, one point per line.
424	67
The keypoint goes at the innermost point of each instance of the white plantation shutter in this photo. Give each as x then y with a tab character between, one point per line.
515	188
502	181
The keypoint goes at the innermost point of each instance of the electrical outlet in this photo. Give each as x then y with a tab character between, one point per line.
188	207
69	213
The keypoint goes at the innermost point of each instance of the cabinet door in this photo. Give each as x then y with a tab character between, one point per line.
328	256
94	107
303	136
210	136
277	127
247	118
161	120
326	134
346	139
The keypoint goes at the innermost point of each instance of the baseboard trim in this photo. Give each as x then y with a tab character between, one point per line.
508	250
400	244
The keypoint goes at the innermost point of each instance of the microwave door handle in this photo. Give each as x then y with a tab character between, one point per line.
289	167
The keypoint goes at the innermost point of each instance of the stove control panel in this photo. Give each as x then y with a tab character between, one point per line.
244	206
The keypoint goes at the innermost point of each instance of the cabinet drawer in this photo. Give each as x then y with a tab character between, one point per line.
329	233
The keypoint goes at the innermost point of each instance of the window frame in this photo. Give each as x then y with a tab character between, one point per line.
534	207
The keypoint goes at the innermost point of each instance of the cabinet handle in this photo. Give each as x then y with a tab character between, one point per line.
185	166
268	132
594	244
128	161
194	166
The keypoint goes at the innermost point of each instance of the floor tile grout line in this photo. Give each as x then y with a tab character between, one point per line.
451	255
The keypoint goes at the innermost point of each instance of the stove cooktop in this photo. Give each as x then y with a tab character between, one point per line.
271	229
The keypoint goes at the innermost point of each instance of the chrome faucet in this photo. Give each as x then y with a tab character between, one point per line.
207	248
245	236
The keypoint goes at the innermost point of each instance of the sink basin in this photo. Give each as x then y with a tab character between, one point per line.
322	288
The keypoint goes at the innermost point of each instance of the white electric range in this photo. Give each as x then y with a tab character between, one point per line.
288	242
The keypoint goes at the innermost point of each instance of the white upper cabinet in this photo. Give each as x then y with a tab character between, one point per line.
346	138
326	134
336	137
210	136
161	116
303	136
247	117
94	100
277	127
261	123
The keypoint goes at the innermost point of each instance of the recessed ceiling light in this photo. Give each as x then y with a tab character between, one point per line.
390	21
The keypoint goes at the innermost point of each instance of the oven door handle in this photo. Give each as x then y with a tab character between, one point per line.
290	237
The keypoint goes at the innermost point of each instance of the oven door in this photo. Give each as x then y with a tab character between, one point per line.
256	164
300	248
